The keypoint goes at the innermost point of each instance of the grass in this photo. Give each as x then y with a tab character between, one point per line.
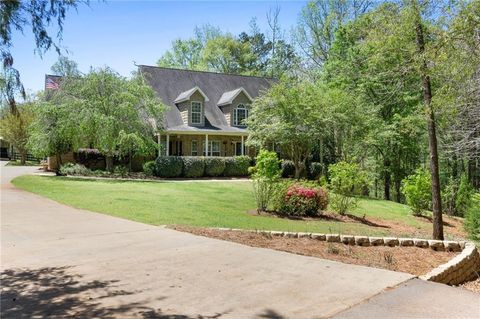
205	204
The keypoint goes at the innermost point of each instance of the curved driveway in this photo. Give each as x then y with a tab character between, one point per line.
58	261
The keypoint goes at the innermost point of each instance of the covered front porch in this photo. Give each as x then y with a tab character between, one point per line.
203	144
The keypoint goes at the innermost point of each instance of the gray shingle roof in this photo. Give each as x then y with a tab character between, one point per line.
169	84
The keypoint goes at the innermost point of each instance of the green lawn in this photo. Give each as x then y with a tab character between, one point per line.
201	203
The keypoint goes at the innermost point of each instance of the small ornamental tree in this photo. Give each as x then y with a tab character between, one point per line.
417	190
106	104
267	173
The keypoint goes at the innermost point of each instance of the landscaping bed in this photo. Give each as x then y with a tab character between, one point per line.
413	260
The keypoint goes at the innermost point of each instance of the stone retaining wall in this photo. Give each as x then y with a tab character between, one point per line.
463	267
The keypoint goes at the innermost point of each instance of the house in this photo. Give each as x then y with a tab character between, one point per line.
206	110
205	116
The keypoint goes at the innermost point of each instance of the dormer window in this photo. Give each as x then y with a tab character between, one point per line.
240	114
196	112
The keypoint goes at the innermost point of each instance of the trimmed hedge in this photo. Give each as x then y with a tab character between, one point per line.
193	166
197	166
214	166
237	166
169	166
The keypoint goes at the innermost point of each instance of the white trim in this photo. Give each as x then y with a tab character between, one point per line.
201	113
208	133
230	100
189	93
246	108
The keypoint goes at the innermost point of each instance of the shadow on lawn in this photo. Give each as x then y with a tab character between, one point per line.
430	219
53	292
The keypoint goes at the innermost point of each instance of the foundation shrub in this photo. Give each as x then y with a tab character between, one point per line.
193	166
149	168
169	166
237	166
214	166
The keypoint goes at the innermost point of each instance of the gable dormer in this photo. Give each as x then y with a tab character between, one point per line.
235	105
191	104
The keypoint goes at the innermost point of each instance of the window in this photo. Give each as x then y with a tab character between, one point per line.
238	149
240	114
213	148
194	148
196	112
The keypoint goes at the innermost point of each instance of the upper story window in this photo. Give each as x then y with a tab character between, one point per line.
240	114
196	112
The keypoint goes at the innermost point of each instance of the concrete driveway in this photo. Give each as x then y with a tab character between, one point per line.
58	261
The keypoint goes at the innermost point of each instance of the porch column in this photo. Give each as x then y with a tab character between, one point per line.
206	144
168	144
159	141
243	147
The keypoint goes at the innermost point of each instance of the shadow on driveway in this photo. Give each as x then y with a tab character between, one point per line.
55	292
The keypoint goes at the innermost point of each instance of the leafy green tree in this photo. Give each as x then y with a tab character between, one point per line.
65	67
15	128
318	23
105	104
53	131
288	114
130	145
185	54
40	15
227	55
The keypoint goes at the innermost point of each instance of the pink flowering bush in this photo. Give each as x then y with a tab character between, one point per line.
298	200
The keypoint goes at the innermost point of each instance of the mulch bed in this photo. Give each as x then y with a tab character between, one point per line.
473	285
413	260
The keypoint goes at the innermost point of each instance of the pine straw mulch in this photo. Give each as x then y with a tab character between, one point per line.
473	285
413	260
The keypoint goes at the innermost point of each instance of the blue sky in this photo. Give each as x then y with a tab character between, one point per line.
116	33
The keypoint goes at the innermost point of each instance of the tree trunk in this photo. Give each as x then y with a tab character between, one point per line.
398	194
109	163
129	162
432	131
386	179
23	157
58	158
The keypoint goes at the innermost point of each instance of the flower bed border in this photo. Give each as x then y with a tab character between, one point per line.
463	267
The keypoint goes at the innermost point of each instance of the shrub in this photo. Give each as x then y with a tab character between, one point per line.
120	170
193	166
267	165
214	166
342	204
288	168
75	169
314	170
457	196
472	218
302	201
149	168
267	172
346	181
237	166
417	189
346	178
169	166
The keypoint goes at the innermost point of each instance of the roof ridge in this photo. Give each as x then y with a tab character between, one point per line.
200	71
